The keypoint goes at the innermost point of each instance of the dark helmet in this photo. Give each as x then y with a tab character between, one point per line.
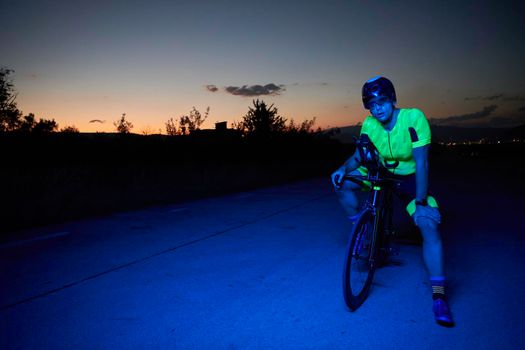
378	87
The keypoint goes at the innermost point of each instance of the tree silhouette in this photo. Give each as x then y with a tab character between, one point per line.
9	113
11	118
171	128
262	120
45	126
193	121
306	127
27	123
69	130
123	126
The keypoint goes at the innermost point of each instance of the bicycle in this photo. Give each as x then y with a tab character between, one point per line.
367	246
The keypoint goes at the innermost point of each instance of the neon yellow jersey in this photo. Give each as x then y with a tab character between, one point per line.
411	131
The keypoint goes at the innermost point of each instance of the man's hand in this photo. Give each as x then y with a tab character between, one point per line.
337	177
426	211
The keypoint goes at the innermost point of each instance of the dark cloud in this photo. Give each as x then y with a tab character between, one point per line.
467	117
495	97
255	90
97	121
514	98
473	98
509	121
484	98
212	88
492	98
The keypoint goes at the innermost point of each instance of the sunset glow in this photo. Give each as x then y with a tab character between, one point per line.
77	61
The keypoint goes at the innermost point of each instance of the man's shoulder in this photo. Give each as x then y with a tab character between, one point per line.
370	123
412	116
412	113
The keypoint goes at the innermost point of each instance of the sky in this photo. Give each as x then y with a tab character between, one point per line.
85	63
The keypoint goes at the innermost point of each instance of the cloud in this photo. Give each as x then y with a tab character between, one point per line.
497	97
492	98
212	88
255	90
485	112
509	121
97	121
484	98
514	98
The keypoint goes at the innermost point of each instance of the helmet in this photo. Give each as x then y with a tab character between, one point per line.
378	87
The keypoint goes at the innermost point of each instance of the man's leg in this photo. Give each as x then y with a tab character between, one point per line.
348	195
433	257
432	246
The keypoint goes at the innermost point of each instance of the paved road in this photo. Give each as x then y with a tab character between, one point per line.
258	270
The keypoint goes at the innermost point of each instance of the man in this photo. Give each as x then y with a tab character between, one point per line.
401	135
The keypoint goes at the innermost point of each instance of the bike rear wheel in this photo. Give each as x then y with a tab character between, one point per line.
360	261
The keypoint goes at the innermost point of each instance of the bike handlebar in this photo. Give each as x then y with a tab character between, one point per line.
370	160
374	180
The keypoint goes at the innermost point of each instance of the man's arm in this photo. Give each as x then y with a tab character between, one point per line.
352	163
421	158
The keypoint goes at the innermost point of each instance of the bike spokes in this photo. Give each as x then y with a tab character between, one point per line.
360	239
359	264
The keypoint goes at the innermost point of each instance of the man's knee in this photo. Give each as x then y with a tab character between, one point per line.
427	224
429	229
350	197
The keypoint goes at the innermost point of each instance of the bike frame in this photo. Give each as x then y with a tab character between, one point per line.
380	203
377	211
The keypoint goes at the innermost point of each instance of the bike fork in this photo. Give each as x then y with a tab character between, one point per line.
358	247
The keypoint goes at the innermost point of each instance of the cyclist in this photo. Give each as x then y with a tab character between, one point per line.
401	135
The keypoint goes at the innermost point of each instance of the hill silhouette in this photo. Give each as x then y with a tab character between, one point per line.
441	133
50	178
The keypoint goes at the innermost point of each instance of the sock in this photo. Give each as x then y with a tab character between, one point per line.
438	287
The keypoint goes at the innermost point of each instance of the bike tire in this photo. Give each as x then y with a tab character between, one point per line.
360	261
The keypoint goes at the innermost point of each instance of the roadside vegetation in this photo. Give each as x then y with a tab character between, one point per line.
52	174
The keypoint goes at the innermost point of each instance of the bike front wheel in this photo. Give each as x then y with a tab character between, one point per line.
360	261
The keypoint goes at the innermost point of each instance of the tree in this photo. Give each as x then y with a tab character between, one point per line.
123	126
147	130
45	126
69	130
262	120
9	113
27	123
11	118
306	127
171	128
193	121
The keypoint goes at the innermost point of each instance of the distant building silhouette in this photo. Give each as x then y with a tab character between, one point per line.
221	126
221	130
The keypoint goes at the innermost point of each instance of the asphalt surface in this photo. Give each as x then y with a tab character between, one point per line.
259	270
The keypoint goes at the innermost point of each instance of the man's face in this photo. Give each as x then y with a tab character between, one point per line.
382	109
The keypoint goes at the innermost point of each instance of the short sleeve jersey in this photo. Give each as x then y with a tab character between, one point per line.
411	131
